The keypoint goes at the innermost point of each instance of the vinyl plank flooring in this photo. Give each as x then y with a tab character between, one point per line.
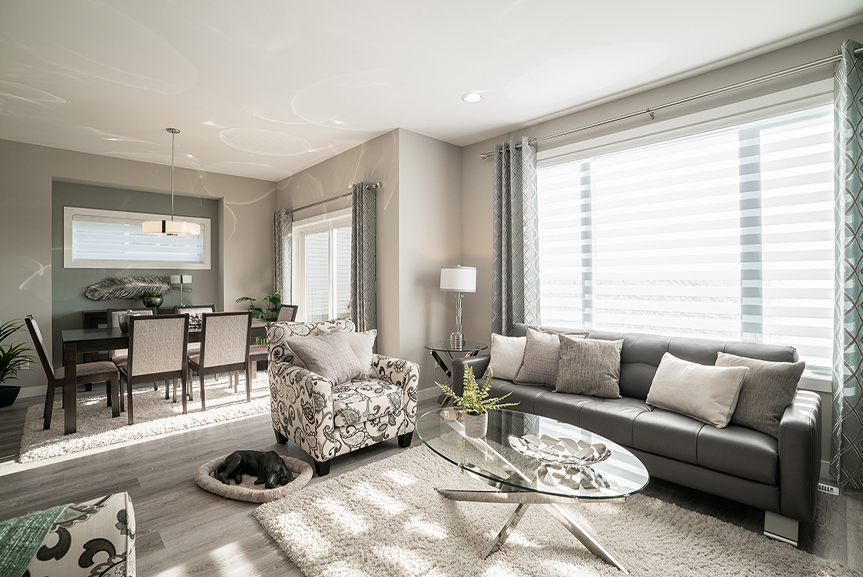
183	530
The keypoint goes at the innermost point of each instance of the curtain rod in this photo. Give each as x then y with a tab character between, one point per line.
709	93
370	186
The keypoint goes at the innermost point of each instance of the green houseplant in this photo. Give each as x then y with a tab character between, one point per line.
13	358
273	302
151	299
475	403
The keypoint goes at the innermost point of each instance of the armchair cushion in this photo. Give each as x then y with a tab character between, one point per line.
329	356
360	401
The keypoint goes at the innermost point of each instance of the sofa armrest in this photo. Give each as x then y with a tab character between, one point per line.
301	407
800	456
403	374
459	366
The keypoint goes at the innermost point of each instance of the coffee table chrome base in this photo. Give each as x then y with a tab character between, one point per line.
524	500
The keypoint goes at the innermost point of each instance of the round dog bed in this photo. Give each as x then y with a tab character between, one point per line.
247	490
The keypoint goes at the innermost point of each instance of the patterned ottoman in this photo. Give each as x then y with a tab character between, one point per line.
93	538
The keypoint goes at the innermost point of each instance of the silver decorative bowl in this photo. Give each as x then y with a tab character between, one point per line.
565	452
123	319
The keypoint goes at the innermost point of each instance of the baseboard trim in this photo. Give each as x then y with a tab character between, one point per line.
429	393
32	392
825	471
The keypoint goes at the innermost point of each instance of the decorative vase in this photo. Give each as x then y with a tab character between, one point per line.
152	302
476	426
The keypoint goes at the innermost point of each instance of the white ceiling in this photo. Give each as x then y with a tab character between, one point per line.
267	88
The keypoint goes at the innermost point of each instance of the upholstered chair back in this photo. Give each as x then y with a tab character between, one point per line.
287	313
225	338
114	323
178	310
157	344
278	332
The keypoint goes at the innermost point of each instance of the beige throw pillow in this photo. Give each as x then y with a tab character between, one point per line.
541	358
506	356
329	356
703	392
589	367
767	390
363	344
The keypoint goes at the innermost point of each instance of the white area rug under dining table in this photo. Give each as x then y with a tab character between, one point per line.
153	416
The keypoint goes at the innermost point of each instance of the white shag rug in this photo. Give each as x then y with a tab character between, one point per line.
387	519
153	416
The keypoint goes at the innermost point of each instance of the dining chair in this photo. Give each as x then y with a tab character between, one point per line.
94	372
194	323
157	352
118	357
288	313
224	348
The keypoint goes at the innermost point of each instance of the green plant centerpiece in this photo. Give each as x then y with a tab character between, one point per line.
13	358
475	403
151	299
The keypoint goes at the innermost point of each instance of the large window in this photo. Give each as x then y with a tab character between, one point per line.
727	235
113	239
322	267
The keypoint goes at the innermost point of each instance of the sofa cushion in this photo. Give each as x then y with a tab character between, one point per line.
563	407
506	355
668	434
540	361
589	367
359	401
706	393
740	452
524	396
612	418
767	390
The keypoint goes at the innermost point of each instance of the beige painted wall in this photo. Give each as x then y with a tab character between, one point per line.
419	230
26	174
429	238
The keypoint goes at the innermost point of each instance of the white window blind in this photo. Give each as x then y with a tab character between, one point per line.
323	267
723	235
113	239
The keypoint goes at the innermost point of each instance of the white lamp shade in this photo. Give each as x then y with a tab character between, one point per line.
178	278
458	279
170	228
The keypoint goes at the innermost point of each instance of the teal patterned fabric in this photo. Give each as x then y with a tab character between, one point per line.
364	287
847	444
515	269
283	226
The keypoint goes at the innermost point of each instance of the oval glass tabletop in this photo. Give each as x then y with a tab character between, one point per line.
519	453
447	347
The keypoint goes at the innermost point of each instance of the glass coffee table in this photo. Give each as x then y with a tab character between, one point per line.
533	460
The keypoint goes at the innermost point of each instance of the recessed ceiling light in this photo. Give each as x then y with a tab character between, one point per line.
472	97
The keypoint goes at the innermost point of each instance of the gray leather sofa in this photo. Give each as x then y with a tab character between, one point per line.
744	465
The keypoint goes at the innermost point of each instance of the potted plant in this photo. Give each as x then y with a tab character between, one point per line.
13	358
475	403
272	312
151	299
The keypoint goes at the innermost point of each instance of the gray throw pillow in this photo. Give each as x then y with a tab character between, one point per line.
507	354
767	390
703	392
589	367
329	356
541	358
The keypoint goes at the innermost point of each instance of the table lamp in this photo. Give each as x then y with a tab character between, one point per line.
460	279
180	279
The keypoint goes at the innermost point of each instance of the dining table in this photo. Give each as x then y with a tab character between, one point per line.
104	339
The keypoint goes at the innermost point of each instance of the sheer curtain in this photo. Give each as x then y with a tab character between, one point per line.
283	221
847	446
364	310
515	269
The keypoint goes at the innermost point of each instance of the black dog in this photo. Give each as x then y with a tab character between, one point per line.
269	467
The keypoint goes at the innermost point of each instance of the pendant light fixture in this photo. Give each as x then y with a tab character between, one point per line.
171	227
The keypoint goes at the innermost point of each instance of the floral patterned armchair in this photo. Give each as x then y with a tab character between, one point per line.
327	419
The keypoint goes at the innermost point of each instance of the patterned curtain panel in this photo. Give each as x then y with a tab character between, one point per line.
515	272
364	284
283	226
847	445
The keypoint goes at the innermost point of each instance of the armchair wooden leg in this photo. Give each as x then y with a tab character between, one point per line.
280	438
405	440
322	469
